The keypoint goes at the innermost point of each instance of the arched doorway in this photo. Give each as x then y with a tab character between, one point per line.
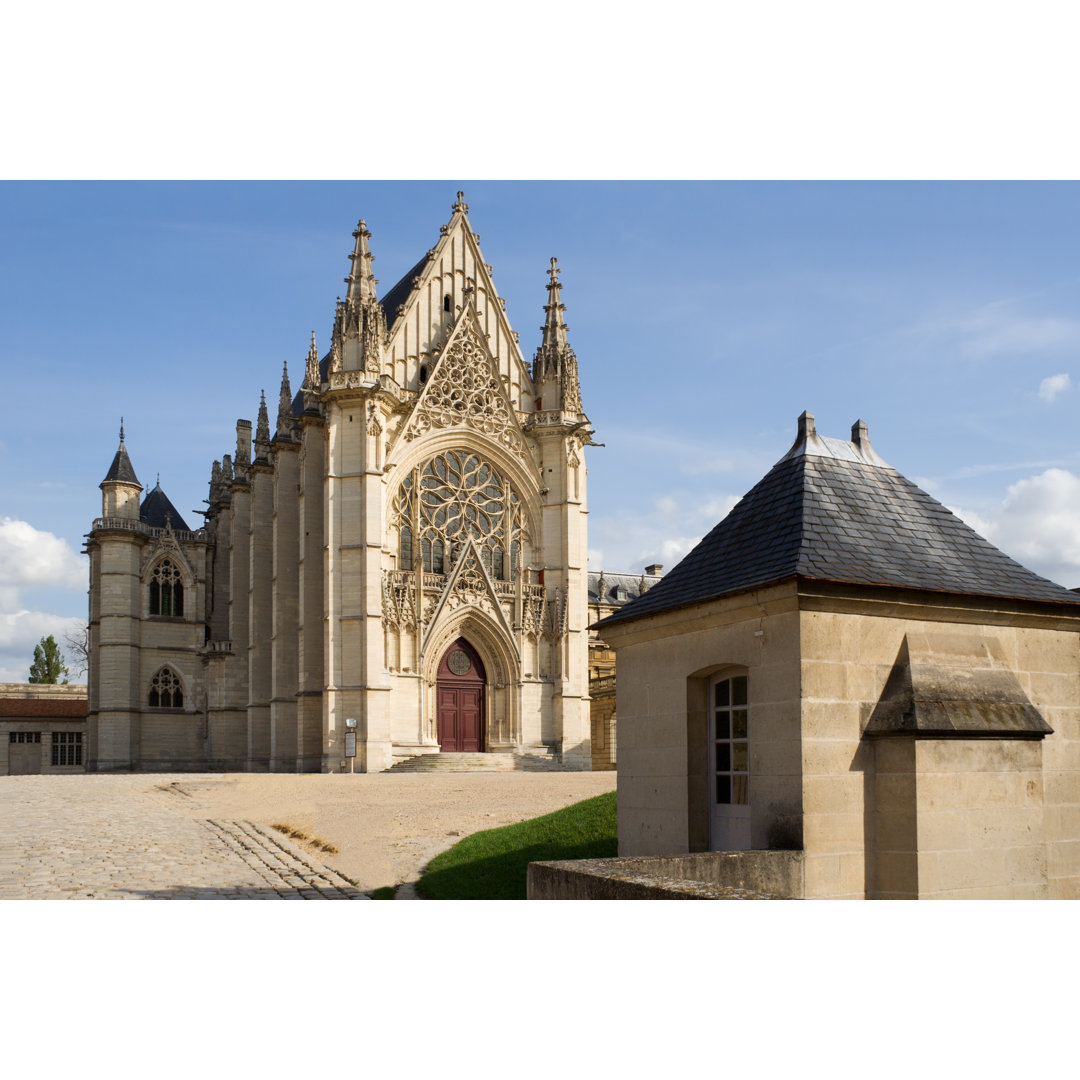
459	699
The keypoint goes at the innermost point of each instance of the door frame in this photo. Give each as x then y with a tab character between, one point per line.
729	821
474	677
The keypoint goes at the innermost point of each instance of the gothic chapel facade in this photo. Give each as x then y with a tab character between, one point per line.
403	556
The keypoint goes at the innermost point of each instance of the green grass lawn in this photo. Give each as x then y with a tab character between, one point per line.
491	865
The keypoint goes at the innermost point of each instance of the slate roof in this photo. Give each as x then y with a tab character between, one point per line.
830	510
156	507
121	468
400	293
630	583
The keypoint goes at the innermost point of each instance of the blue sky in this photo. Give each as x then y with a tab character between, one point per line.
705	316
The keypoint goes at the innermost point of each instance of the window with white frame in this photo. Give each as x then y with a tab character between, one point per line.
731	742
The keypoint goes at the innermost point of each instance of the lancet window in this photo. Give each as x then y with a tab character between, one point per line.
166	691
451	498
166	590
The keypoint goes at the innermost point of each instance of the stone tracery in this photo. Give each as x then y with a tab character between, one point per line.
465	391
454	496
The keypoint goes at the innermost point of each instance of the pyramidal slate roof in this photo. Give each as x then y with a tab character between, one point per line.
831	510
156	509
121	468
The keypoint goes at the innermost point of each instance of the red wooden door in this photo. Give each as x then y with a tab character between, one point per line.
459	696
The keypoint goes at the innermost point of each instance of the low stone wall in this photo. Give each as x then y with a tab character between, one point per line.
711	875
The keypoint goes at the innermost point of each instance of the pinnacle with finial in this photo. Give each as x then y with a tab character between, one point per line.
284	416
312	377
121	429
361	280
461	206
262	427
554	328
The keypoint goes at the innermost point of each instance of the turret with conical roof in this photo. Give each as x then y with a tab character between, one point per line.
555	370
120	489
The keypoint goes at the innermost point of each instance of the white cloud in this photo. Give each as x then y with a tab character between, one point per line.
20	631
998	328
713	511
1053	385
981	525
677	523
1038	524
995	334
31	558
673	550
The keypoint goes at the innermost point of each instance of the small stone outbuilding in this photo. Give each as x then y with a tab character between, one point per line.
843	667
42	728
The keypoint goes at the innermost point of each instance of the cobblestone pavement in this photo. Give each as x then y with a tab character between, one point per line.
133	838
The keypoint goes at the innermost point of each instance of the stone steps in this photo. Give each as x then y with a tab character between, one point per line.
478	763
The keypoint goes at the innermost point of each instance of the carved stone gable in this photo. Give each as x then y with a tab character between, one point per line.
468	586
465	390
166	544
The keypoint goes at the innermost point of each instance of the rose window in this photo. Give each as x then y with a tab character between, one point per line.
453	497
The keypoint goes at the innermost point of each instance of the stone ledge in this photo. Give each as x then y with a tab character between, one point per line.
717	875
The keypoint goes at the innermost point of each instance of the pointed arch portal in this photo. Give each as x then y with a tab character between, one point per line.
460	689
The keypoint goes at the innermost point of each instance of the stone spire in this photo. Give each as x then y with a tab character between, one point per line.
555	362
312	378
359	320
361	281
262	430
554	328
284	413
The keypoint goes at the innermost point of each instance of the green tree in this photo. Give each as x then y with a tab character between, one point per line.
48	665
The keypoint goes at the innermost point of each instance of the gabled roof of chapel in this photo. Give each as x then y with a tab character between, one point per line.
157	509
833	511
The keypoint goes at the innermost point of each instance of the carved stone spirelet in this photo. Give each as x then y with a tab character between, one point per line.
399	599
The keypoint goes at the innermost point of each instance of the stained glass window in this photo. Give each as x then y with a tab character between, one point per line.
454	496
166	590
166	691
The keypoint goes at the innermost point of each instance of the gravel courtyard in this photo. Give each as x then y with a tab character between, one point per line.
210	836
